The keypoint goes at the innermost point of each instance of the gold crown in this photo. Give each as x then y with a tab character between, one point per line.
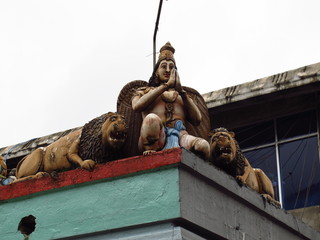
166	52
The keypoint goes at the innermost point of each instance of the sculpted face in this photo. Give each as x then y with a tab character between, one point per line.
223	148
114	130
164	70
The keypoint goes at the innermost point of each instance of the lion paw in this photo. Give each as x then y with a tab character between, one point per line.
148	152
271	200
41	174
240	180
88	165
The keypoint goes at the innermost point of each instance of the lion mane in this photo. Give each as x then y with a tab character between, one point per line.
91	146
237	165
98	141
227	155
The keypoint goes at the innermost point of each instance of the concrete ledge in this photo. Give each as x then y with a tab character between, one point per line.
174	187
213	200
143	191
160	231
77	176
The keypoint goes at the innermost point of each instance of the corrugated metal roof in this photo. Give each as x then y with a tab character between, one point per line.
290	79
24	148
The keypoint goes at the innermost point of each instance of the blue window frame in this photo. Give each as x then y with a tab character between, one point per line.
299	163
287	150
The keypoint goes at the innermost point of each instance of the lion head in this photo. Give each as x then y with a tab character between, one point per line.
225	151
102	138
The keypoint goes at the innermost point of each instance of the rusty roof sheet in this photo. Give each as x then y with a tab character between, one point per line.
290	79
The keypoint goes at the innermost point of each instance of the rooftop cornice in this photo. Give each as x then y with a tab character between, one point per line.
282	81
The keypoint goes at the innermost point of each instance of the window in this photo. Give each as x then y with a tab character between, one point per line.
255	135
299	163
265	158
286	149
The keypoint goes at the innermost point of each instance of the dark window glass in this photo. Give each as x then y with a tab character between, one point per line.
299	161
296	125
265	159
255	135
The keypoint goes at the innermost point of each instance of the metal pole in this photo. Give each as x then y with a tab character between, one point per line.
155	34
278	163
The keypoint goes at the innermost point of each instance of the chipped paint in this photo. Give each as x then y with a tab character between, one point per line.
101	171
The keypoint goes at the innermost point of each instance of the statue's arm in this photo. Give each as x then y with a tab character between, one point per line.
142	100
192	111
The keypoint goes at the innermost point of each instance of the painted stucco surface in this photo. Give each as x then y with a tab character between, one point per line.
174	189
96	206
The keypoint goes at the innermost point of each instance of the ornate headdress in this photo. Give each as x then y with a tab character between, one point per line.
166	53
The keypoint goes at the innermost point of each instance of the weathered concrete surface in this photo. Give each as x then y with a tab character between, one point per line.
214	201
99	206
282	81
159	231
119	195
308	215
171	187
101	171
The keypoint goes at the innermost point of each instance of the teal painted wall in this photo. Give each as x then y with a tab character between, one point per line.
95	206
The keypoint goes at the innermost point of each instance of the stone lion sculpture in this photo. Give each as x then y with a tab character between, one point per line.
97	141
5	177
3	168
227	155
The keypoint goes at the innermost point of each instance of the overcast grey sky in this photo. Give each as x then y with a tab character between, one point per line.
63	62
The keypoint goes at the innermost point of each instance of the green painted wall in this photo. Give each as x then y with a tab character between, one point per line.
95	206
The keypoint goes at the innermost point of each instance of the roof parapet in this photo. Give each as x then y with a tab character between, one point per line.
282	81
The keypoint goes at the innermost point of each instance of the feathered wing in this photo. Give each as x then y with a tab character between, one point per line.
133	119
204	128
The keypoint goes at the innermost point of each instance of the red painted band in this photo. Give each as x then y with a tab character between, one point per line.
106	170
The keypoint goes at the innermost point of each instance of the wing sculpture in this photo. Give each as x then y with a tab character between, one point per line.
204	128
134	119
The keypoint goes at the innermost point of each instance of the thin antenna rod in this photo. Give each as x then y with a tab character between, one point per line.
155	34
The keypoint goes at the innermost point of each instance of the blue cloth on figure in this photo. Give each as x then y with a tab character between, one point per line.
7	181
172	135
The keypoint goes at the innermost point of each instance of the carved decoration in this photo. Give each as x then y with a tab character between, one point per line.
162	107
98	141
227	155
3	168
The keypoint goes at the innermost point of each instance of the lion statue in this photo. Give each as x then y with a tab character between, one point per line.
227	155
3	168
97	141
5	177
